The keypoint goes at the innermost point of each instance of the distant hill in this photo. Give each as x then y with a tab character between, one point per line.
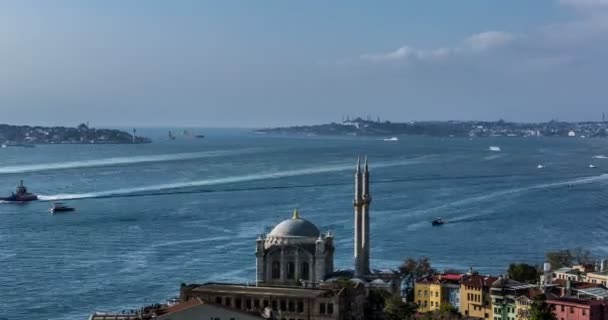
83	134
360	127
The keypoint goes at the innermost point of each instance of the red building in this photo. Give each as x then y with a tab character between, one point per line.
579	309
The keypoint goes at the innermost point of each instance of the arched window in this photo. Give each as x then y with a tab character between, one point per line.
276	270
291	270
305	271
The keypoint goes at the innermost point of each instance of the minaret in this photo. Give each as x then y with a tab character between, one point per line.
358	203
367	200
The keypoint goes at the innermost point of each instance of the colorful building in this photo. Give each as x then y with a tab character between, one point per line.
475	298
504	293
579	309
433	292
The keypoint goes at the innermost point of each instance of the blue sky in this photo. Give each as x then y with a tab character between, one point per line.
266	63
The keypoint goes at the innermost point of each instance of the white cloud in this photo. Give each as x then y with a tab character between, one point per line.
489	40
473	44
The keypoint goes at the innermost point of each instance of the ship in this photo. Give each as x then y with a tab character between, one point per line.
20	195
437	222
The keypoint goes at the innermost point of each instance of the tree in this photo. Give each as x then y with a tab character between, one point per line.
568	257
411	270
523	272
396	309
540	310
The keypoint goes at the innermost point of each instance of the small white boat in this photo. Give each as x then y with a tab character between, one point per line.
392	139
592	166
494	148
540	166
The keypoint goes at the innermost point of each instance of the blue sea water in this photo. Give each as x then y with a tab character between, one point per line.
118	252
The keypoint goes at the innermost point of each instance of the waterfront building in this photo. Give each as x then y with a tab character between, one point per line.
433	292
569	308
475	298
298	303
522	306
504	293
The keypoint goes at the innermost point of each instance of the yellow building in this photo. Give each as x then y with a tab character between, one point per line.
600	277
422	289
475	299
431	293
522	307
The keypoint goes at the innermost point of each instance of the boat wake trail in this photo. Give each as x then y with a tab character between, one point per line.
224	180
121	161
503	193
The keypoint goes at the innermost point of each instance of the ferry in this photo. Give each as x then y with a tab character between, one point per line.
20	195
494	148
540	166
60	207
392	139
592	166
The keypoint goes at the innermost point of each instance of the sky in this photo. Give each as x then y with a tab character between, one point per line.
230	63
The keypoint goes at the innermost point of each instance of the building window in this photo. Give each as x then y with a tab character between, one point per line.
584	312
419	292
227	301
218	300
265	303
563	308
305	271
330	308
291	270
276	270
237	303
275	305
291	307
283	305
256	303
436	294
247	304
426	293
322	308
300	306
571	309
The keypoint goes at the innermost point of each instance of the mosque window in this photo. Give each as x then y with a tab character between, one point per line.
322	308
247	304
227	301
274	305
300	306
256	303
218	300
283	305
237	303
291	307
330	308
291	270
305	271
276	270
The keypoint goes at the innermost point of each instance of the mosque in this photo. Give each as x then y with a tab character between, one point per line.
295	274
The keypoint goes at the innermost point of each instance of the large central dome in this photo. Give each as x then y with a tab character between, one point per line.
295	227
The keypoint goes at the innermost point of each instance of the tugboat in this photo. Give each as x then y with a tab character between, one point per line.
60	207
437	222
20	195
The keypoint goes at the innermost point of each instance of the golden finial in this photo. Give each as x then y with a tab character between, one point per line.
296	215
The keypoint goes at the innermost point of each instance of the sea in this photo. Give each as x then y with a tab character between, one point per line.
152	216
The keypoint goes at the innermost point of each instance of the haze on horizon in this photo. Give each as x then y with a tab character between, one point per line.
248	63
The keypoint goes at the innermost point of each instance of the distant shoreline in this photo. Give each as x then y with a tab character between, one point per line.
360	127
24	135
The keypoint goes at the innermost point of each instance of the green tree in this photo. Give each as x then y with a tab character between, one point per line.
540	310
445	312
523	272
411	270
568	257
396	309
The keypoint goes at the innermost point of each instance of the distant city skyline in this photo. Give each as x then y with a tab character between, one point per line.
252	64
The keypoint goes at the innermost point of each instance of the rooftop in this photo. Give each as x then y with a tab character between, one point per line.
269	290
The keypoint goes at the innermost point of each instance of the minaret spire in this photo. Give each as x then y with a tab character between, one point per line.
358	227
365	223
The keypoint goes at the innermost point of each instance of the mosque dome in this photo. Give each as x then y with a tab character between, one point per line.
295	227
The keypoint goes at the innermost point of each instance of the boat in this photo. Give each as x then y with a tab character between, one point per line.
494	148
392	139
20	195
437	222
60	207
171	136
592	166
540	166
199	136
